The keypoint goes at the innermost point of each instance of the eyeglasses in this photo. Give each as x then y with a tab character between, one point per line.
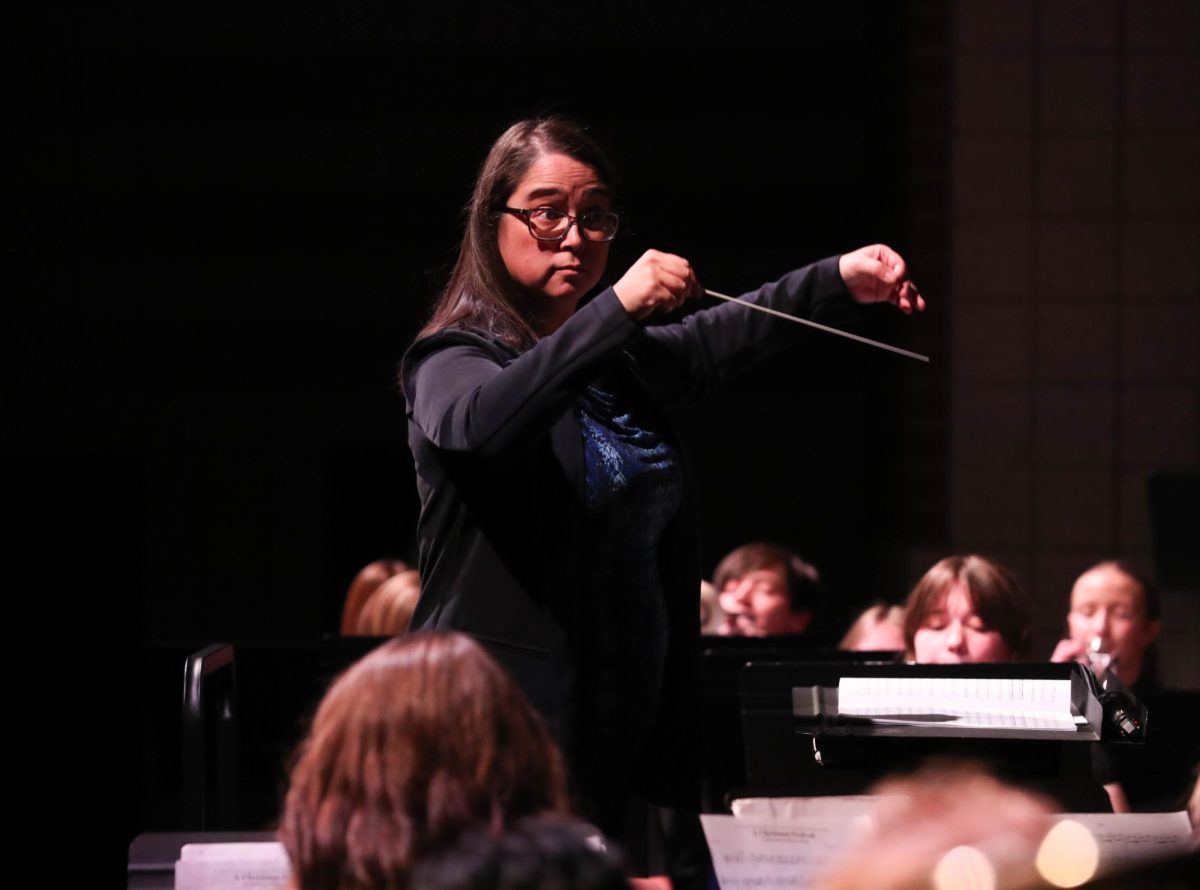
547	224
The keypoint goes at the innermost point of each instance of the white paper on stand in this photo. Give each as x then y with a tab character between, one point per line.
239	866
838	806
767	853
788	842
1126	839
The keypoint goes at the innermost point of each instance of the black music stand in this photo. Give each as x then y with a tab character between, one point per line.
721	662
791	750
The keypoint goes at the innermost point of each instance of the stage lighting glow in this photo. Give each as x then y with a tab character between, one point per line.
1069	855
964	868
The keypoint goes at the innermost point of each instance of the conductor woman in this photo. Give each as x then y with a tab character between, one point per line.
558	521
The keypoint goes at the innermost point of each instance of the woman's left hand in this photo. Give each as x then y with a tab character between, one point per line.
877	274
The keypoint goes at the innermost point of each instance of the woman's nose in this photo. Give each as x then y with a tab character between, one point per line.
572	239
955	638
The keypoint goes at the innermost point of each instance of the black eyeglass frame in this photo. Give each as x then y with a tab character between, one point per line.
526	212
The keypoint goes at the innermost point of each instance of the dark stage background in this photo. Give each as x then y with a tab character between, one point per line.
239	213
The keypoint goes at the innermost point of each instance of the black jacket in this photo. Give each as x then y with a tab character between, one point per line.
500	472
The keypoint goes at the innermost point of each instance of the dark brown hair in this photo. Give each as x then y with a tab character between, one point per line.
423	739
480	294
803	581
545	852
996	597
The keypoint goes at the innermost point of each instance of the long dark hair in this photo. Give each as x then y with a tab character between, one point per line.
480	294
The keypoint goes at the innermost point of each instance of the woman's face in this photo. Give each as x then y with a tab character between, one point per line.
953	634
556	274
1108	604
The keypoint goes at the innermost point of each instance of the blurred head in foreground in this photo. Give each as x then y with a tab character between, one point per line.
966	610
948	825
547	852
420	741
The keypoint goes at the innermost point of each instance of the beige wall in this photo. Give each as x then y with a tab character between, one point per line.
1073	297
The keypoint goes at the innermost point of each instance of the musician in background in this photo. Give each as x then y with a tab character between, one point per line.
967	610
1113	623
364	585
765	590
878	629
389	609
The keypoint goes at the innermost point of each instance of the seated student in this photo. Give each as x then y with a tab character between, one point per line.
966	610
766	590
365	583
421	741
389	609
1112	624
879	629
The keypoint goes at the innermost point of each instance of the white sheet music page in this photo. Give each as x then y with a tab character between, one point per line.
844	806
766	853
761	850
252	866
986	702
1125	839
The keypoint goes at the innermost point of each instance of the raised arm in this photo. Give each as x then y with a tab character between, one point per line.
466	396
682	360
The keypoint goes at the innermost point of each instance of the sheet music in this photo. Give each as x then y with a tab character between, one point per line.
982	702
1126	839
749	854
270	851
759	850
252	866
839	806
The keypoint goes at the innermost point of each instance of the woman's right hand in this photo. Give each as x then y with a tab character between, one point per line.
657	282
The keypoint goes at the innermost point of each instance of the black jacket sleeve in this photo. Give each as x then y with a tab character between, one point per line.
681	361
465	397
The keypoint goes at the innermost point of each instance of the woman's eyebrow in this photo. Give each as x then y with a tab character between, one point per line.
546	191
554	191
